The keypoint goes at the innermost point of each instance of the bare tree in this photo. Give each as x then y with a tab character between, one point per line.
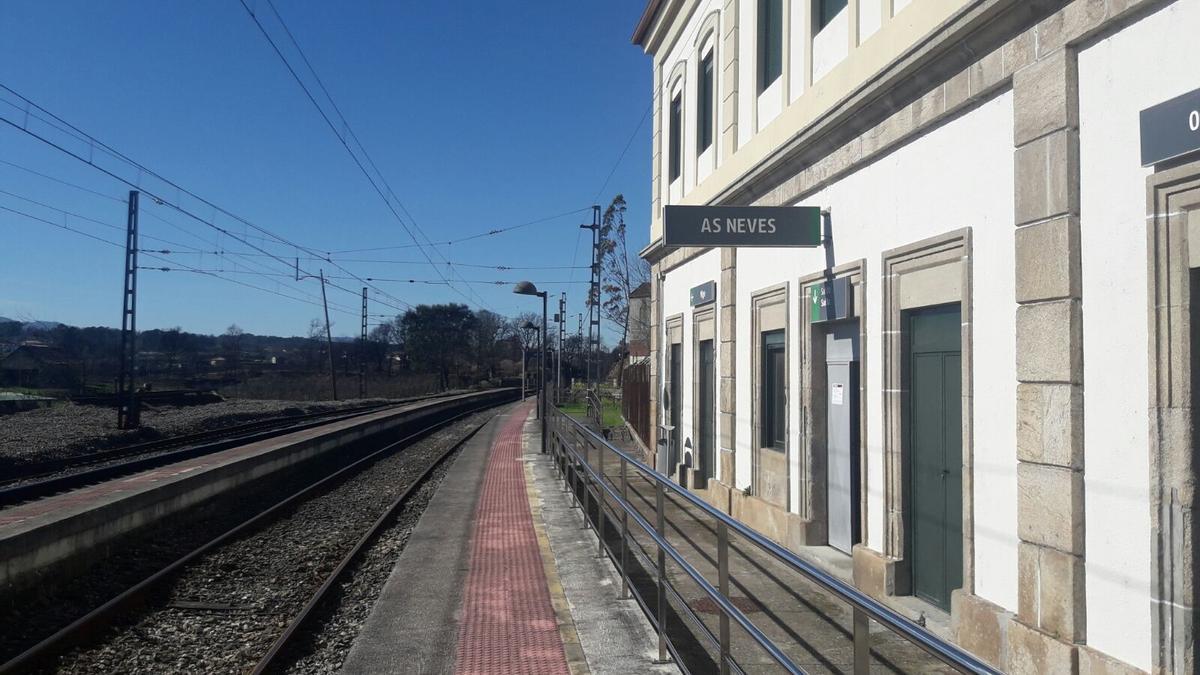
621	271
231	345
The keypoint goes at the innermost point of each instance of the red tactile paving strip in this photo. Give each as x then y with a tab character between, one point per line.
508	624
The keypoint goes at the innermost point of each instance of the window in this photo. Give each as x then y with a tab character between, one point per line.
826	10
704	116
676	147
770	42
774	391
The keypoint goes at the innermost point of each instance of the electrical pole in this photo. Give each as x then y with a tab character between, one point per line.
329	337
128	415
362	350
562	323
593	344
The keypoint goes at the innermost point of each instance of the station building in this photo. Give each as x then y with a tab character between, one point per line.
992	430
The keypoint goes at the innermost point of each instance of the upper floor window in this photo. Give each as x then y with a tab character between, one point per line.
706	94
770	42
676	149
826	10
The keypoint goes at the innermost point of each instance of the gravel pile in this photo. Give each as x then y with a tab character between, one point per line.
224	612
71	430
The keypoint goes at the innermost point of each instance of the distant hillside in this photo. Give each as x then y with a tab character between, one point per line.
32	326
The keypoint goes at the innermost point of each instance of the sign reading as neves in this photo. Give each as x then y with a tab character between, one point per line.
1171	128
773	226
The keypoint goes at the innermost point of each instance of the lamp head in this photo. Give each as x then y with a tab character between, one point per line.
525	288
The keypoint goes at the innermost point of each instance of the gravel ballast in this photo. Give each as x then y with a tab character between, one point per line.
224	611
71	430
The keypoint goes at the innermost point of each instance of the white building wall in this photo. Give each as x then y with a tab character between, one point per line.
747	41
798	18
686	50
956	176
676	300
1114	85
831	45
870	18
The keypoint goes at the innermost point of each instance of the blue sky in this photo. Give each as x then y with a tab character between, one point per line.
480	116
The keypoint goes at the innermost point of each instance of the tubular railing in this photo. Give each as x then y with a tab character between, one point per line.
595	408
572	445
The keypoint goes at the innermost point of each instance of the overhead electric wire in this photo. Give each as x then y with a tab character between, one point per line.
210	273
479	235
143	252
361	147
342	139
94	143
61	181
150	254
97	222
386	261
68	228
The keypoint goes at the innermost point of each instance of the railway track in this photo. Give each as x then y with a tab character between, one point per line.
41	479
204	566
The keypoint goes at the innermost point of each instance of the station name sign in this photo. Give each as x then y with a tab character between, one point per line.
1171	128
769	226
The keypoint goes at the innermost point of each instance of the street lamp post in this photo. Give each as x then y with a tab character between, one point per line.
527	288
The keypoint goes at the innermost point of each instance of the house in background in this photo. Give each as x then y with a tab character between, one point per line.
36	365
638	342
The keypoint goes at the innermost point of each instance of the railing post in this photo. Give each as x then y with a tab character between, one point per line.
624	530
862	642
587	493
601	501
723	587
662	575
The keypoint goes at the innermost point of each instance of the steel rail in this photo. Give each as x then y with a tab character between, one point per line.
42	481
187	446
368	537
78	631
35	469
944	651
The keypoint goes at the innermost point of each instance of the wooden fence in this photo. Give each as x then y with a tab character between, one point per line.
635	400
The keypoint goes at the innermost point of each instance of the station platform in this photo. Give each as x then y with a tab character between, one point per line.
53	533
499	576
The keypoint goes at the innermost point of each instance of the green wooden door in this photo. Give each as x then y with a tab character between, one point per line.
934	374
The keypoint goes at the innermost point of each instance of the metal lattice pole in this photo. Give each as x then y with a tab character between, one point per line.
362	350
128	416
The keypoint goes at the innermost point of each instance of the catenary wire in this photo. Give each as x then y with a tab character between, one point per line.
346	145
94	143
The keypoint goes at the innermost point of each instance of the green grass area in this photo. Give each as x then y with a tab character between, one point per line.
610	409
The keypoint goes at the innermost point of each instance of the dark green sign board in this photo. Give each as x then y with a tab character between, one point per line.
830	300
1171	128
742	226
704	293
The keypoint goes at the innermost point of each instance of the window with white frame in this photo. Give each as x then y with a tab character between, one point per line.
706	104
826	10
770	42
676	146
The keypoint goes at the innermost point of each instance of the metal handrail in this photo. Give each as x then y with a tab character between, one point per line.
595	409
863	605
725	604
